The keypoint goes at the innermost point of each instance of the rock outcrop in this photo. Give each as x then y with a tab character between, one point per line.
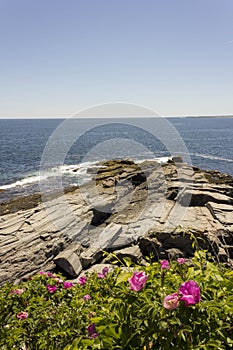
156	210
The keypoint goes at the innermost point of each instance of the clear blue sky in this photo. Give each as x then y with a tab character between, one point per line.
59	56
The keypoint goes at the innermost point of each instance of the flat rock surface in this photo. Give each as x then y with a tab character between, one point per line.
124	202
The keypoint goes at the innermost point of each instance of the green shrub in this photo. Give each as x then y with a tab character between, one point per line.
178	305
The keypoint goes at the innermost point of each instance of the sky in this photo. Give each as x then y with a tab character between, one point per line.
61	56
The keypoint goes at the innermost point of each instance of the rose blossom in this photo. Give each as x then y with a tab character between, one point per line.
51	289
58	280
138	280
190	293
22	315
171	301
82	280
104	272
17	291
50	274
92	331
164	264
86	297
67	285
181	261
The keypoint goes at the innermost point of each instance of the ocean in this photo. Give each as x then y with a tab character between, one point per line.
41	149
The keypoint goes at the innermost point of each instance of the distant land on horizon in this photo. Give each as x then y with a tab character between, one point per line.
204	116
116	117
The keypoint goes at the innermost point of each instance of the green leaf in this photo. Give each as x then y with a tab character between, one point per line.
97	319
123	277
111	332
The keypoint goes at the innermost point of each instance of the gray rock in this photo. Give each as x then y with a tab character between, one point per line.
69	262
155	199
222	255
108	236
221	212
150	246
75	247
177	159
124	240
134	253
90	256
174	253
200	198
104	242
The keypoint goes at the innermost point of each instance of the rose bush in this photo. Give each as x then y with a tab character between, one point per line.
165	305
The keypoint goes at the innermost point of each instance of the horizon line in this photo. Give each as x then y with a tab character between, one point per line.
121	117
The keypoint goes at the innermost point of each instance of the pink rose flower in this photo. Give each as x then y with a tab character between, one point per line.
82	280
138	280
92	331
17	291
104	272
50	274
22	315
164	264
58	280
171	301
181	261
51	289
190	293
67	285
86	297
42	273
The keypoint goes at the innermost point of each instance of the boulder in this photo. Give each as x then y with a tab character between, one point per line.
69	262
90	256
133	253
104	242
174	253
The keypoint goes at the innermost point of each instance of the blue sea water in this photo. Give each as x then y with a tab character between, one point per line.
208	142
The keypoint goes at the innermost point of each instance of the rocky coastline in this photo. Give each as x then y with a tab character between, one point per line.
132	210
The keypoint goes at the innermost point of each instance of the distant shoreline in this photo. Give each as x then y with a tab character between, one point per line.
205	116
119	117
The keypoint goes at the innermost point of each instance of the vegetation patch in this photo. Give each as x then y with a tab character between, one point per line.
164	305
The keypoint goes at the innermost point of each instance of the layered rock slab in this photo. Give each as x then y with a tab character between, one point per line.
145	201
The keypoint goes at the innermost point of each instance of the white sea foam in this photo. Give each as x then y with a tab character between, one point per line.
75	168
24	182
209	156
80	170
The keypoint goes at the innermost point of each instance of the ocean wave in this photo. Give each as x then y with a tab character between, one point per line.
160	160
73	170
29	180
210	156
